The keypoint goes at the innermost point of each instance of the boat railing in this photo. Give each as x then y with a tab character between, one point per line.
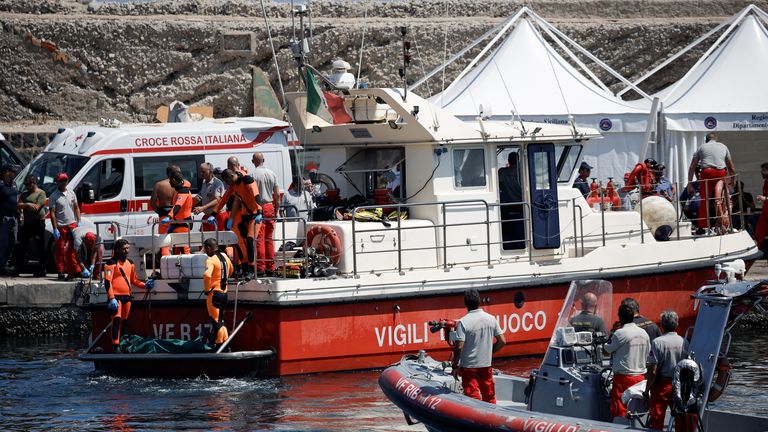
284	238
443	227
580	232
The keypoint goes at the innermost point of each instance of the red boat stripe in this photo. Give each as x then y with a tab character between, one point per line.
260	138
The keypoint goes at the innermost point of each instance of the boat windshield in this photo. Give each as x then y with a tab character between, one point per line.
47	166
587	309
566	155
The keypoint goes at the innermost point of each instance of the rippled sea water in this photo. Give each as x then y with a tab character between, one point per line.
44	386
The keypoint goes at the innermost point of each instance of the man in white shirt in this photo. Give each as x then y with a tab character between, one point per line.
211	192
629	347
269	200
65	217
298	200
714	158
475	345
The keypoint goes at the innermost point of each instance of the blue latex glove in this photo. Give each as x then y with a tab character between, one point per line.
165	221
228	225
149	284
257	218
112	307
86	273
56	234
211	220
90	269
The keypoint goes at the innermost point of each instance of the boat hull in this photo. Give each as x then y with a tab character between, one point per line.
426	395
250	363
373	333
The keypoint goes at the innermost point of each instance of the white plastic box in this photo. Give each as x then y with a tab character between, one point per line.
365	109
183	266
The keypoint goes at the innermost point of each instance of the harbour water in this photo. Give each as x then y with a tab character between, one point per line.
44	386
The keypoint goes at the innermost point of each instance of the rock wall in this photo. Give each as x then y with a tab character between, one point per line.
65	61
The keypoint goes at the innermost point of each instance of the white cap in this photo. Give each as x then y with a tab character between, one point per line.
340	65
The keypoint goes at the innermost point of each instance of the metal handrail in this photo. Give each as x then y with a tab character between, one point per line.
400	206
577	212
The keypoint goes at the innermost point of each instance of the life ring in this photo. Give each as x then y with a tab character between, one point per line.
723	369
328	242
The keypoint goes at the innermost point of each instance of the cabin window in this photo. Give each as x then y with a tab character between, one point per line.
106	178
541	164
149	170
469	167
376	169
566	155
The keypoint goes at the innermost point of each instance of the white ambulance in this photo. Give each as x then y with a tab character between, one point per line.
122	163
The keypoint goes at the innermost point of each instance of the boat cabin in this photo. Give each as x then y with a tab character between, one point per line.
473	193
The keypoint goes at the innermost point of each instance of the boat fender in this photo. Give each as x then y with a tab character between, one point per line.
686	386
529	388
328	242
723	370
606	382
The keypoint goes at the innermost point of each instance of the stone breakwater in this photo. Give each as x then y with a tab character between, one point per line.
65	61
26	322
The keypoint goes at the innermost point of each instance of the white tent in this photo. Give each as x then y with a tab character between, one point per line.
723	93
524	76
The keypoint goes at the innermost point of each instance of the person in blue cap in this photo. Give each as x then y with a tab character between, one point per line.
580	183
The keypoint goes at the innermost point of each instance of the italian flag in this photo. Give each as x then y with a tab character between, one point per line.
326	105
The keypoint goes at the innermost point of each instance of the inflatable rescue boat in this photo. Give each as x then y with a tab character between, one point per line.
569	391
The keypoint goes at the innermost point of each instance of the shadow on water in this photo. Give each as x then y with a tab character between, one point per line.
44	386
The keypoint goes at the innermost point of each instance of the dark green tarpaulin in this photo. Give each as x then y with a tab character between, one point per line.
132	344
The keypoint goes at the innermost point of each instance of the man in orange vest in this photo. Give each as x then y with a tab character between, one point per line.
218	268
243	187
182	209
119	274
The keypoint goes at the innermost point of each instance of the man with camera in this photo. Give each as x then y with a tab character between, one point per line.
475	345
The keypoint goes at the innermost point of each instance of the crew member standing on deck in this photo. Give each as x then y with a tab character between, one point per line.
644	323
714	158
218	268
587	319
666	351
269	192
162	201
580	183
629	347
182	209
246	191
233	207
210	193
119	274
475	345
